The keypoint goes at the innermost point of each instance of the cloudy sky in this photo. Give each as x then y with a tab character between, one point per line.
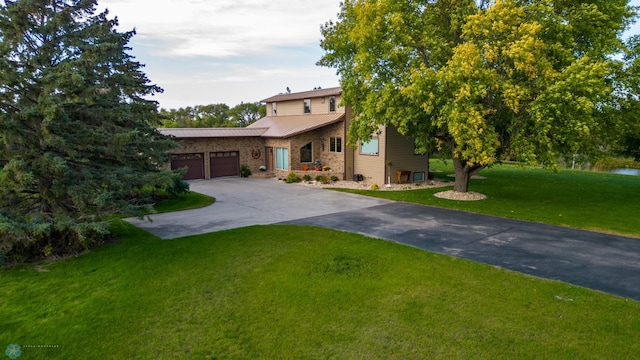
229	51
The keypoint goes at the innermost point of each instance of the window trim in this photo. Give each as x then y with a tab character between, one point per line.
335	143
332	104
367	143
282	158
310	144
306	108
274	108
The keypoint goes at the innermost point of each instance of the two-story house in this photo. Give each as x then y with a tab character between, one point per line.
299	131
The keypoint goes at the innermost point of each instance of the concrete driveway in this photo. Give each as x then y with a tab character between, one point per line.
248	201
598	261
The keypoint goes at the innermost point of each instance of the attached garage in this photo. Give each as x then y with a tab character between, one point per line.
194	163
225	163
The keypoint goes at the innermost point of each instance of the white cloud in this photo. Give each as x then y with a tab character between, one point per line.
223	28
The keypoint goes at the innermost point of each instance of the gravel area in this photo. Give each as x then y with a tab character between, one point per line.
364	185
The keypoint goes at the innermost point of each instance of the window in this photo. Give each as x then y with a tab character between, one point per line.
370	147
418	176
307	106
335	144
282	158
274	110
332	104
306	153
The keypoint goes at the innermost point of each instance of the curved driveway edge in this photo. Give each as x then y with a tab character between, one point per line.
593	260
597	261
247	201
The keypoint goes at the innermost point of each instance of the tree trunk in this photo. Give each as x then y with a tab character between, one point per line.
464	172
462	176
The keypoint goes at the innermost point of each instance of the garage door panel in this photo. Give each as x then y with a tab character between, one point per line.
193	162
225	164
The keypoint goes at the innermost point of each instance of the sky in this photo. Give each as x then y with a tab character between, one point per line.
230	51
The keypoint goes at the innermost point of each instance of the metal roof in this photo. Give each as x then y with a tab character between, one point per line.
184	133
304	95
287	126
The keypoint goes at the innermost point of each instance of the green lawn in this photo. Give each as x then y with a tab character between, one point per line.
284	292
189	200
578	199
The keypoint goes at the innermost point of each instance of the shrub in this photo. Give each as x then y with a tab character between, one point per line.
375	186
292	178
245	171
307	177
334	178
319	177
325	180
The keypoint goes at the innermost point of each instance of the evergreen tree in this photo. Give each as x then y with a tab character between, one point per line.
77	138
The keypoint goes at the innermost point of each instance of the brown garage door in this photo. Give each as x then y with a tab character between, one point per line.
194	163
225	164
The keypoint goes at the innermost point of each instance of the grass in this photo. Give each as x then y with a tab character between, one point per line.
578	199
186	201
278	292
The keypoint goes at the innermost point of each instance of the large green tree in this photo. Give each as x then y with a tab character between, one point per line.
199	116
486	79
245	114
213	116
77	138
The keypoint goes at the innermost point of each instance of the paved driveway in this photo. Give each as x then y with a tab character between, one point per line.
598	261
248	201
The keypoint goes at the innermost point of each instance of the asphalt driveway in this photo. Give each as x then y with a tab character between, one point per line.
598	261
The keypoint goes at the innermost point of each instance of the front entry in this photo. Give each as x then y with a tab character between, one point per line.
269	158
225	163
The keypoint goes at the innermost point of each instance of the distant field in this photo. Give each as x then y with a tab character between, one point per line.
579	199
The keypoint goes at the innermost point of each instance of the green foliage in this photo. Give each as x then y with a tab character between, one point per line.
374	186
531	80
284	292
306	177
319	178
292	178
78	139
199	116
334	178
616	163
213	116
245	114
245	171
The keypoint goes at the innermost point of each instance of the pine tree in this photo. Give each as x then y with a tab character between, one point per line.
78	140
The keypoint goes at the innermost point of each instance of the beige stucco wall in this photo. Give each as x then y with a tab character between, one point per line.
400	152
245	147
296	107
395	148
372	167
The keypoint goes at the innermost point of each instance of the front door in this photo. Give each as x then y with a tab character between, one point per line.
269	158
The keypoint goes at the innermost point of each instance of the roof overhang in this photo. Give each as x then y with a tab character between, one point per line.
288	126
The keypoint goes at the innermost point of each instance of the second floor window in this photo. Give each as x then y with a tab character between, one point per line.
274	110
307	106
332	104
